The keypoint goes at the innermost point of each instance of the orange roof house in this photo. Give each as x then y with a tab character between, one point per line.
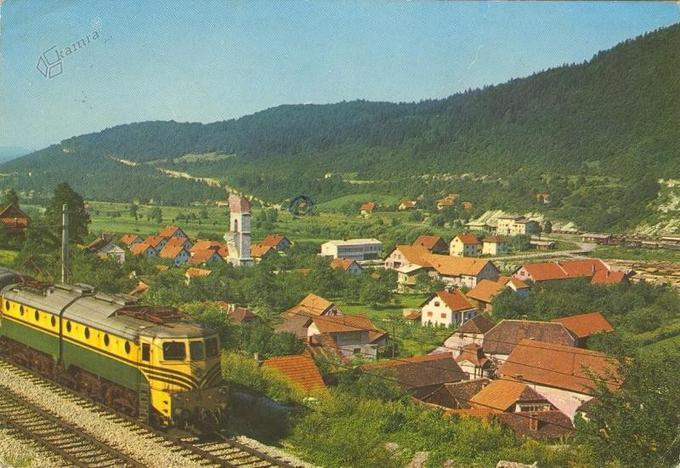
14	219
172	231
564	269
278	241
313	305
509	395
206	256
434	244
259	251
367	208
607	277
346	265
447	308
175	251
193	272
142	248
345	335
156	242
561	367
503	338
583	326
299	369
128	240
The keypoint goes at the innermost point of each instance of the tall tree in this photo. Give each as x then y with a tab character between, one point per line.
77	214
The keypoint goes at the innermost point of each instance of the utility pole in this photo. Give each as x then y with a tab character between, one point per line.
64	243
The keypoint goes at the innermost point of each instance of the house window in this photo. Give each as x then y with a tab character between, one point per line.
429	314
436	303
443	315
356	350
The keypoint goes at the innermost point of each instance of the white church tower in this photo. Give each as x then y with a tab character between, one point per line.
238	237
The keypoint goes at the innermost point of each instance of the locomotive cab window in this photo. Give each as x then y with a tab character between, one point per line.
174	351
146	352
196	350
211	347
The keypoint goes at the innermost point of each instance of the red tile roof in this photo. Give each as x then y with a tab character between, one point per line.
342	323
273	240
171	250
585	325
428	242
468	239
128	239
203	256
558	366
457	266
495	239
139	249
608	277
454	300
565	269
259	250
503	394
169	231
503	338
368	206
311	305
479	324
154	241
343	264
549	425
300	369
194	272
202	244
474	354
486	290
419	371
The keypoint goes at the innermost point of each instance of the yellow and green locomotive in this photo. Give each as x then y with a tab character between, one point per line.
149	362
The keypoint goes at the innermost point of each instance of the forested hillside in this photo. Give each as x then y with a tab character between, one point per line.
616	116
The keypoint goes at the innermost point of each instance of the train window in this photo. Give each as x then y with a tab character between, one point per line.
127	347
211	348
21	310
87	333
196	350
106	340
68	326
53	321
146	352
174	351
37	315
7	306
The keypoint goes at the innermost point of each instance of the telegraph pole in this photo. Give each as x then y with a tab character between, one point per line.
64	243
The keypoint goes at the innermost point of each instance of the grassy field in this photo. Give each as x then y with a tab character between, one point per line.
7	257
338	203
623	253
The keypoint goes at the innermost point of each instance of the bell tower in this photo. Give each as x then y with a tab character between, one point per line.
238	237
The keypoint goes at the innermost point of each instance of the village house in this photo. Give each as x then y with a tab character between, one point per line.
156	242
564	375
299	369
542	244
608	277
205	257
470	332
455	395
128	240
549	425
484	292
410	261
603	239
367	208
433	244
346	265
14	220
313	305
516	225
512	397
495	245
172	231
347	335
193	272
419	375
219	247
583	326
260	252
407	205
176	251
474	362
560	270
353	249
467	205
447	201
501	340
279	242
143	249
447	308
104	247
465	245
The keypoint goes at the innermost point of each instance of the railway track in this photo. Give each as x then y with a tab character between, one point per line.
219	450
51	432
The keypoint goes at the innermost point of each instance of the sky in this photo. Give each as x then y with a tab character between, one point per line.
204	61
